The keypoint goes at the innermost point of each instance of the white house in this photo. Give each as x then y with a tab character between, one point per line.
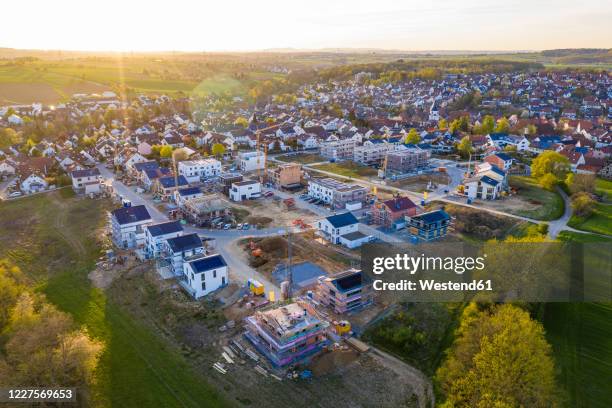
332	228
185	194
205	275
181	249
6	168
127	225
156	236
86	181
483	187
196	170
251	161
245	190
33	183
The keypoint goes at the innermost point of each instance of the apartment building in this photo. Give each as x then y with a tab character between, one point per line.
345	291
337	194
198	170
407	160
251	161
287	334
287	175
338	149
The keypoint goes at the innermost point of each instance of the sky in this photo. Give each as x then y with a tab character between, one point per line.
248	25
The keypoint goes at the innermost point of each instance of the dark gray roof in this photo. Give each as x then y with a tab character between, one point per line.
85	173
168	182
184	243
165	228
208	263
128	215
342	220
433	216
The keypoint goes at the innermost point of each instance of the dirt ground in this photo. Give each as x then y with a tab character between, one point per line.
305	247
511	204
419	183
340	378
274	211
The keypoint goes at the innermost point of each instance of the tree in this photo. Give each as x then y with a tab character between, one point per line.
442	124
218	149
165	151
465	146
499	359
580	182
583	204
503	126
487	126
548	181
550	162
413	137
241	121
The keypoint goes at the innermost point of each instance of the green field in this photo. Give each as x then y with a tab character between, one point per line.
55	81
52	237
579	237
599	222
348	169
306	158
550	204
604	189
581	337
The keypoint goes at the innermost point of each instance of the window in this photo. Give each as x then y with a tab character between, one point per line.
203	285
214	273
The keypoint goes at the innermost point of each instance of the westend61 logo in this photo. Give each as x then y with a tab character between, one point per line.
414	264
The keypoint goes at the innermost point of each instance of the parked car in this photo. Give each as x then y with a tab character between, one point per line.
246	226
239	226
15	194
227	226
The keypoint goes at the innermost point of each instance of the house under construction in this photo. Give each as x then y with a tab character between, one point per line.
287	333
345	291
203	211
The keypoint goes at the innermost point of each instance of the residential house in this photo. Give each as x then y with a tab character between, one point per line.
181	249
501	160
157	234
429	226
345	292
86	181
333	227
127	226
245	190
251	161
198	170
392	212
338	149
165	186
205	275
33	183
337	194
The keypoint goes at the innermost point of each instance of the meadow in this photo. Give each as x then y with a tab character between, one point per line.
55	239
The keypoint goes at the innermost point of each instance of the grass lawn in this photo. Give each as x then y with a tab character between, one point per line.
550	204
599	222
348	169
581	337
604	188
53	239
305	158
579	237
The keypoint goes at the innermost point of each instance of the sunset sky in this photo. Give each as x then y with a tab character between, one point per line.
152	25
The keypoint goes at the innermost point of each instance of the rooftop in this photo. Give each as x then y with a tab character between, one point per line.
128	215
207	263
185	243
342	220
164	228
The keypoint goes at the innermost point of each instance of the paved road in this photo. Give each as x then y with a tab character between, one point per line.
226	244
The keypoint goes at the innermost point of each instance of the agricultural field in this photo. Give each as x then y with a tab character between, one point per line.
530	201
600	222
55	239
348	169
56	81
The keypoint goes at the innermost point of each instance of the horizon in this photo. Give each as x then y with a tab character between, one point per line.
472	26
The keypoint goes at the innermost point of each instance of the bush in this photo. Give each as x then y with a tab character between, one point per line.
583	204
